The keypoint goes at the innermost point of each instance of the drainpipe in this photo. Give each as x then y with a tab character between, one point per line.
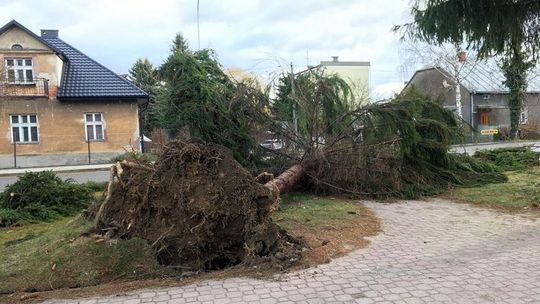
141	128
471	119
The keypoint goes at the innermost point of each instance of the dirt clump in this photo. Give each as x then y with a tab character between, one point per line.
199	208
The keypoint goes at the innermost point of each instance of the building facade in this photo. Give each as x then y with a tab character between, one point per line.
57	104
484	97
357	74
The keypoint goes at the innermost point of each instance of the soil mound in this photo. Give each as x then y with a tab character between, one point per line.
199	208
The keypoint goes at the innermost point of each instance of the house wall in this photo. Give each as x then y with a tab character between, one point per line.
358	78
442	88
532	105
497	105
46	64
61	126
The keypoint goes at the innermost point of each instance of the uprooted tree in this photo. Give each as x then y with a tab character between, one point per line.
201	209
198	207
395	149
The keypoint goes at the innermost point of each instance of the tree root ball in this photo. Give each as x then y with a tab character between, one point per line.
199	208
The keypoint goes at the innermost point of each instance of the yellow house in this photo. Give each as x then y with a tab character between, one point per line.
356	73
57	104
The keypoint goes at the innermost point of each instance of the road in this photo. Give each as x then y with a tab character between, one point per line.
432	251
81	177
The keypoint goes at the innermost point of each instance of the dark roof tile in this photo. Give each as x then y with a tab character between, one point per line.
85	78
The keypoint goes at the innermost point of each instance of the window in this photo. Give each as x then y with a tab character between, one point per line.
484	118
19	70
24	128
16	47
94	126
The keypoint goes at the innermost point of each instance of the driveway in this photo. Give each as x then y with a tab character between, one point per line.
429	252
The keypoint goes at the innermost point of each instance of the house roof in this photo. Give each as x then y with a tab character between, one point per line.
14	23
484	76
84	78
345	63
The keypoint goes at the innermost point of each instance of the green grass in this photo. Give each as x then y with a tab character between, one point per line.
312	211
52	255
521	191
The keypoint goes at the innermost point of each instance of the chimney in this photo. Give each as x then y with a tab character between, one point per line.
49	33
462	56
335	58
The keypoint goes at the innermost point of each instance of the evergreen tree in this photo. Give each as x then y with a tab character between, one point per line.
320	103
199	96
144	75
179	44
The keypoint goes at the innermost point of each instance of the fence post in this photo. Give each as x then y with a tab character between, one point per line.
89	159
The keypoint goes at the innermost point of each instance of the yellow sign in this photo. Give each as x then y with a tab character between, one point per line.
489	131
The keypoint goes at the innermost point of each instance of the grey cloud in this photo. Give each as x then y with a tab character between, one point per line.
255	35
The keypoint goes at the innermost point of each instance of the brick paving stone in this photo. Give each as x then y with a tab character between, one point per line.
429	252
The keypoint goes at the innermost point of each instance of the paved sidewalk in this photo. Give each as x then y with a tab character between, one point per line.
472	148
5	172
429	252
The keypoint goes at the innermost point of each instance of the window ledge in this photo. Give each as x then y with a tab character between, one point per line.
22	83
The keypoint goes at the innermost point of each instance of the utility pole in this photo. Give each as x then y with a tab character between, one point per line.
198	28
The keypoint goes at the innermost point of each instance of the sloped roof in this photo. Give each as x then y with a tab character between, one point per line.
85	78
486	76
14	23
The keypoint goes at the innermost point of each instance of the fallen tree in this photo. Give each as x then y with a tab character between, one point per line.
398	149
199	208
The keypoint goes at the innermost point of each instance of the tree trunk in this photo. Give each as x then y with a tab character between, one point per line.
457	79
286	180
515	68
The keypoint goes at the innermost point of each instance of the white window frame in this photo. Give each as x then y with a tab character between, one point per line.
93	124
21	125
16	68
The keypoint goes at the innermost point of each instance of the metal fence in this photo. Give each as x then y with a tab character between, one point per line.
38	87
65	150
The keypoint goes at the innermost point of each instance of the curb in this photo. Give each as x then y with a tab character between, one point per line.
532	143
11	172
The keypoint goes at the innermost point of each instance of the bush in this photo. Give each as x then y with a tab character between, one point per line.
510	159
527	131
41	196
95	186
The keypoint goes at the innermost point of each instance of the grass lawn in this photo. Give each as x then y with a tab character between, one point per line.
46	256
521	191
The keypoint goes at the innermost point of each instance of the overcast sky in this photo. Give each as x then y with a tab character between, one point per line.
254	35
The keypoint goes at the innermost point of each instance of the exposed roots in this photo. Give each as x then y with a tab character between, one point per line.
198	207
